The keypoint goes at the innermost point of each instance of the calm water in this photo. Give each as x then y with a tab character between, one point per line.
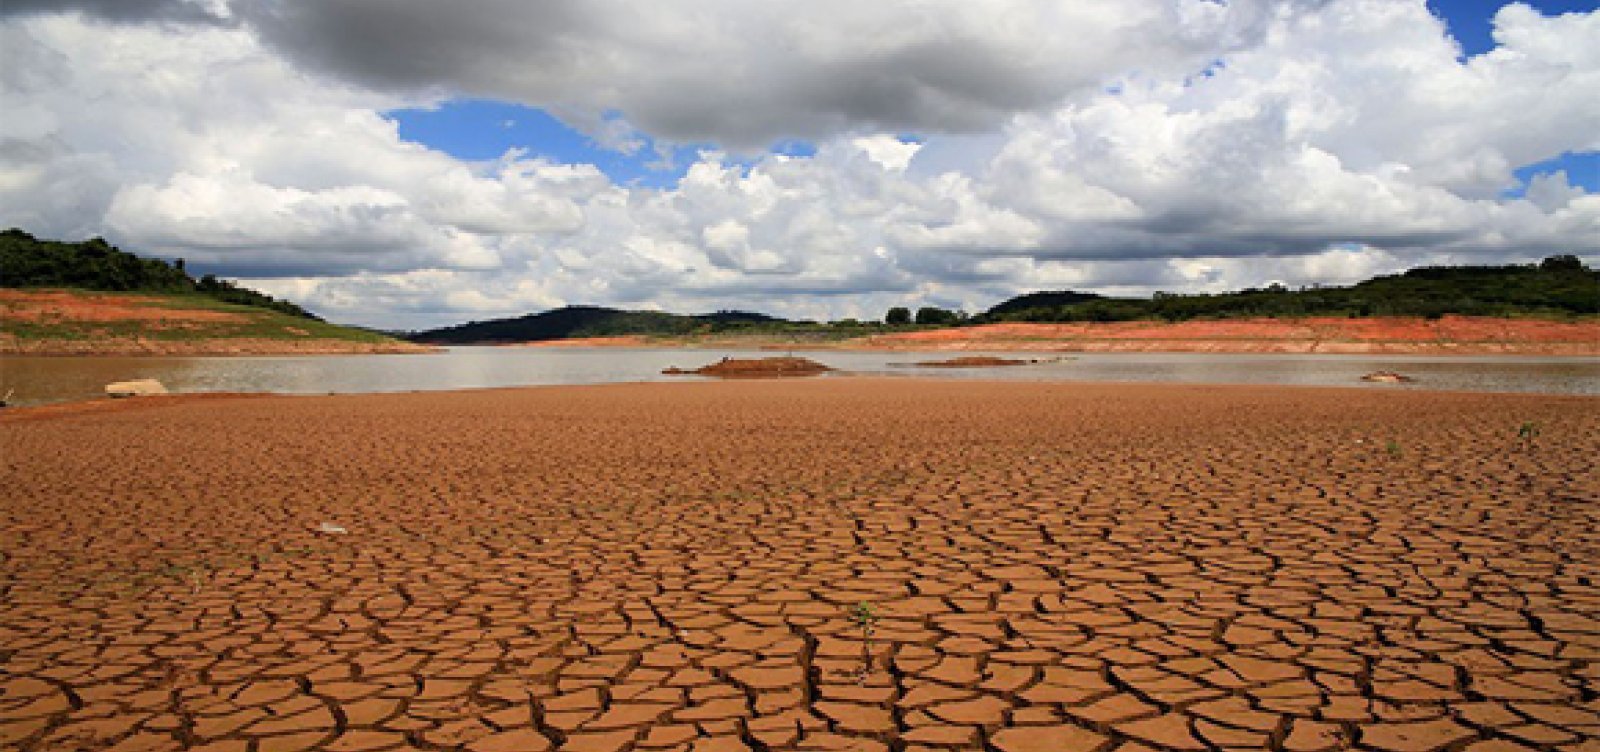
53	379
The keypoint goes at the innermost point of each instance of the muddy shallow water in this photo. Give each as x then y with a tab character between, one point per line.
40	380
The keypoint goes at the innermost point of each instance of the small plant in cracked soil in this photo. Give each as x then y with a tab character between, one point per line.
1394	450
193	574
865	615
1528	433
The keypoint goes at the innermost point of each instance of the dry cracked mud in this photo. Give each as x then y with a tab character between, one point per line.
681	567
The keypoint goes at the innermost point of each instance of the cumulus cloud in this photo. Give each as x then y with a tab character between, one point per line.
738	73
177	12
1153	145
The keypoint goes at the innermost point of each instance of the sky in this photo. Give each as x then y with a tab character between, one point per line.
408	164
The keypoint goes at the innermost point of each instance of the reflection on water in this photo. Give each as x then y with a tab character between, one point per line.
53	379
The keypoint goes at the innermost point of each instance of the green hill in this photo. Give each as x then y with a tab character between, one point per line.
589	321
91	298
26	261
1561	286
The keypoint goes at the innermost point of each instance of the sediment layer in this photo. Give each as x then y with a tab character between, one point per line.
682	567
1449	335
136	346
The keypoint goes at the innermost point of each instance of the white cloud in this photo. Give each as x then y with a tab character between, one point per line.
1334	140
745	74
888	151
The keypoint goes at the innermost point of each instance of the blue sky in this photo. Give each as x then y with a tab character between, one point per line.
478	129
1470	22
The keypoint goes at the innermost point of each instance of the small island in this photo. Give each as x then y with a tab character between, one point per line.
755	368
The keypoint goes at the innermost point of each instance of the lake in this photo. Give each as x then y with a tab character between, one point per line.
40	380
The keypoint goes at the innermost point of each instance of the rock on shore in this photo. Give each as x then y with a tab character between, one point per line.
135	388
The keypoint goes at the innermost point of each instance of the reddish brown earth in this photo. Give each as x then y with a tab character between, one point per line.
1448	335
672	567
756	368
151	316
201	347
48	305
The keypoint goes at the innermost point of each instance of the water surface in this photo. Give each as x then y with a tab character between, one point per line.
39	379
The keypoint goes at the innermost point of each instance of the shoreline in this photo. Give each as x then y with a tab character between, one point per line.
99	405
1107	347
1448	335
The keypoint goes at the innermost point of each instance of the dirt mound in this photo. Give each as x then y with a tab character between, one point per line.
756	368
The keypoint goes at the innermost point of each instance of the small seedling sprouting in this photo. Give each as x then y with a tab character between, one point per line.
197	578
1528	432
1393	448
865	616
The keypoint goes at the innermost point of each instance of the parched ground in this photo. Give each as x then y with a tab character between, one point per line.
680	566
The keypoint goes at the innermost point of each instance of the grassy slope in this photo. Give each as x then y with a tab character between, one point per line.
35	320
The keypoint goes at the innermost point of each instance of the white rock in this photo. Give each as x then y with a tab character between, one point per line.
330	528
139	388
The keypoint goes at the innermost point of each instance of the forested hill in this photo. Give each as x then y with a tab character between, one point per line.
26	261
1559	286
587	321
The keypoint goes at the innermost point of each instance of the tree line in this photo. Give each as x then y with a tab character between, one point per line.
1559	286
94	264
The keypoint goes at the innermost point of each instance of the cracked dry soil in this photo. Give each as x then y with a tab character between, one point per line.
673	567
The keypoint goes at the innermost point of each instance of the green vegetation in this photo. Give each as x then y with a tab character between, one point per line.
1394	450
931	316
26	261
591	321
595	321
1561	286
1040	301
865	616
1528	432
247	322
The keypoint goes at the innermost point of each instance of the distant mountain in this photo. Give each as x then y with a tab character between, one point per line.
587	321
1050	300
26	261
1559	286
